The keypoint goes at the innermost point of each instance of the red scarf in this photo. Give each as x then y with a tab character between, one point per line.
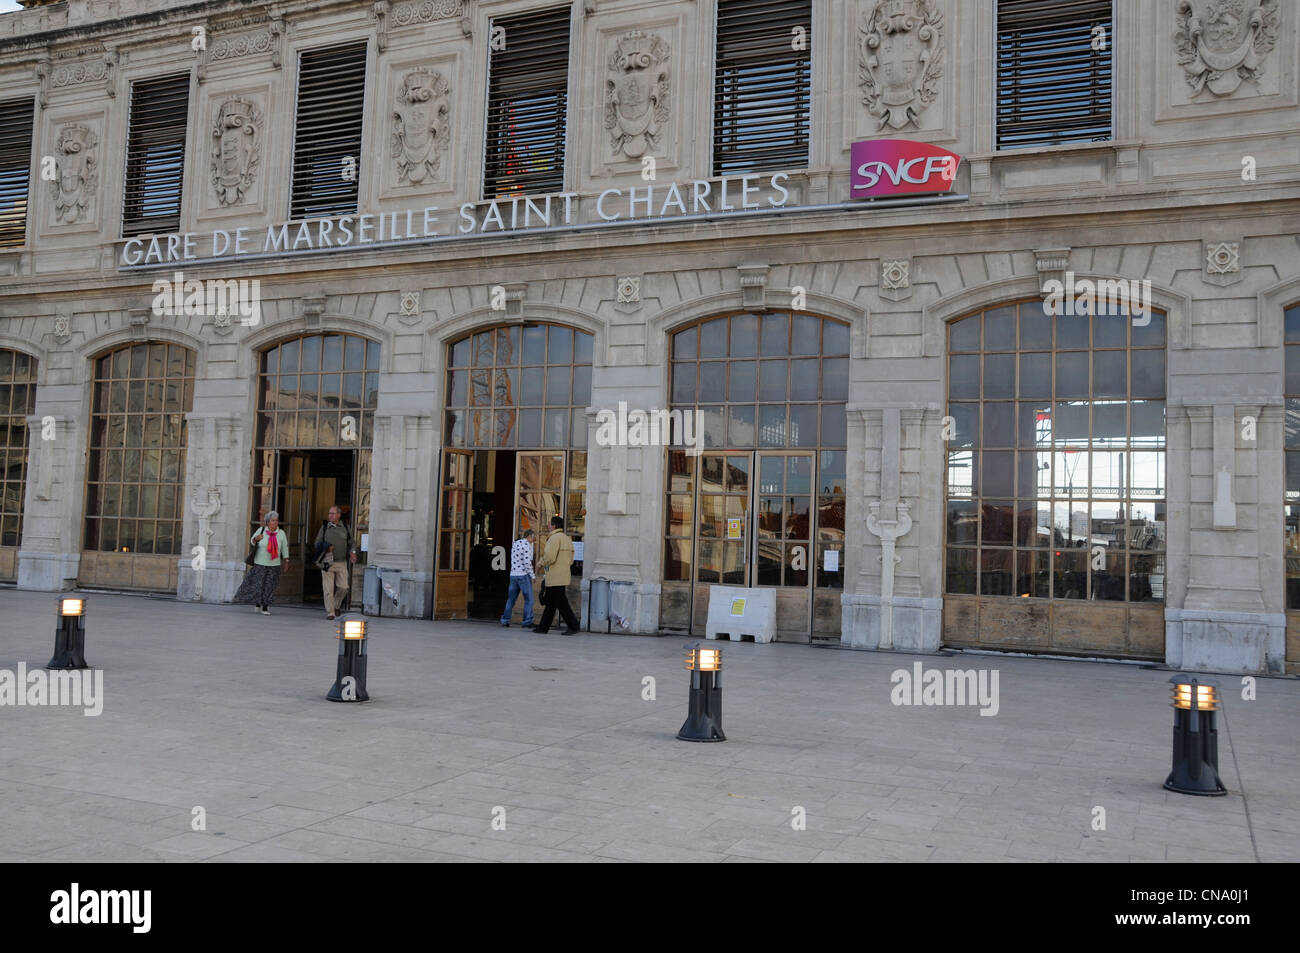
273	544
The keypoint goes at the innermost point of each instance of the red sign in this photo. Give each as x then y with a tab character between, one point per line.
888	167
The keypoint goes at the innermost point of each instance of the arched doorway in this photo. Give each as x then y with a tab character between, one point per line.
763	504
316	402
17	403
135	473
515	454
1055	488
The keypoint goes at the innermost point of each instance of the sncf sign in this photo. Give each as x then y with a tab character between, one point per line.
888	167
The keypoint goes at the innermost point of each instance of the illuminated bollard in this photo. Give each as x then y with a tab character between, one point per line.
1196	739
70	635
352	663
704	716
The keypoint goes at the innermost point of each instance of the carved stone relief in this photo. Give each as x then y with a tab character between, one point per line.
76	172
420	126
901	60
1226	44
637	89
236	149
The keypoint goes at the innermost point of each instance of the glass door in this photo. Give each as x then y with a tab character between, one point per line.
539	483
452	582
294	498
782	535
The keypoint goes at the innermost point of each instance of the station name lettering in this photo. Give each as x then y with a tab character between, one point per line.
649	202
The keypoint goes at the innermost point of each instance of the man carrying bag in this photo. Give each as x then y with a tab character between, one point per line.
334	539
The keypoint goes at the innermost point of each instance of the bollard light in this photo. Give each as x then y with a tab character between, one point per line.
1196	739
351	664
70	635
704	714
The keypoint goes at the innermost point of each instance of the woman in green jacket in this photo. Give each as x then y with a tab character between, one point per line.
263	576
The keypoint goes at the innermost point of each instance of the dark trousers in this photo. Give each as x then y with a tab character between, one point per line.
556	600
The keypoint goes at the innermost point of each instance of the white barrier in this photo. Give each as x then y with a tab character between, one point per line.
741	613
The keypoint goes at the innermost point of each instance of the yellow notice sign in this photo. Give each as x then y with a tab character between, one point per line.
737	607
733	528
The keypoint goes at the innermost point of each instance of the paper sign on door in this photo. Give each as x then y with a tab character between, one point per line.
832	560
733	528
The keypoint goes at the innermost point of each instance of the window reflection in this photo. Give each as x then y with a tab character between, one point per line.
1077	511
136	465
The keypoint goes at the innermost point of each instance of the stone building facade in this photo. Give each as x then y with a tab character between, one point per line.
404	374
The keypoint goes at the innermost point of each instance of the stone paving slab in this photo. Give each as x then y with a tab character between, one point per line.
214	707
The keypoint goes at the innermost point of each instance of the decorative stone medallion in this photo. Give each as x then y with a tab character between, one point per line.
636	93
1226	44
900	46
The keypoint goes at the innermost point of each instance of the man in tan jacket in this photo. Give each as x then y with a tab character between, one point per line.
557	557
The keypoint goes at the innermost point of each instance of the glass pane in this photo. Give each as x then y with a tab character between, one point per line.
557	385
713	382
530	428
744	335
582	347
1146	581
1110	424
1110	373
835	379
771	426
1148	373
1148	423
713	338
681	515
1035	375
964	335
963	376
806	335
1150	334
1035	424
963	522
685	344
960	571
835	431
804	380
556	428
534	347
1072	374
1000	329
1070	574
684	383
559	343
507	346
803	425
1110	328
961	473
677	560
1108	582
740	427
772	381
999	425
771	474
1034	574
775	335
997	522
713	421
798	474
532	390
996	572
582	385
1071	330
1035	328
835	337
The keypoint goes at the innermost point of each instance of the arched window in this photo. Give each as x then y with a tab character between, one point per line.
1056	469
763	503
316	402
17	403
515	454
135	478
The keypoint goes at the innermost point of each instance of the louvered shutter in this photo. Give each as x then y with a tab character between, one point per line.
1053	87
762	89
528	104
15	168
327	134
155	154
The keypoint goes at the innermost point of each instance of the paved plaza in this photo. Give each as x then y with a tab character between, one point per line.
218	708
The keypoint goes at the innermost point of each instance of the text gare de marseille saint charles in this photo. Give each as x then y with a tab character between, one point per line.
699	196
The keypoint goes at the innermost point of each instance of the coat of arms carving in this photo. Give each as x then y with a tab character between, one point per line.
236	149
77	172
421	125
1227	44
901	60
636	93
